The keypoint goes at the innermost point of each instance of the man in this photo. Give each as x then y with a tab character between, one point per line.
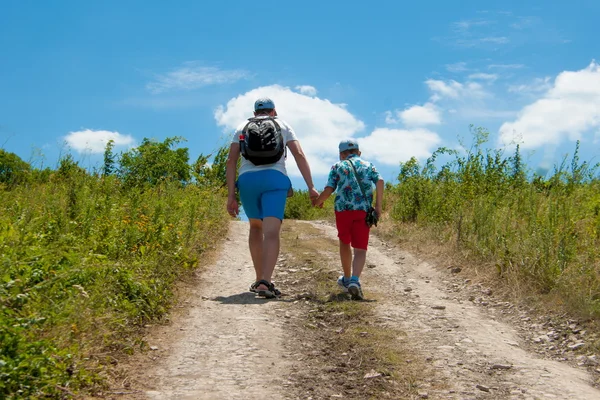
263	191
352	178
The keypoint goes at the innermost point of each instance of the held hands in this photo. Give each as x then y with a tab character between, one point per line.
313	194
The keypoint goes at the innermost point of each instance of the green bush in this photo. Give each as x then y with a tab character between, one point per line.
299	206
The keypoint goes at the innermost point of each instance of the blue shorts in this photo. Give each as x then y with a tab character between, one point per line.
263	193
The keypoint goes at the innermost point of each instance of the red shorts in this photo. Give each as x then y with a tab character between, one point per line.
352	228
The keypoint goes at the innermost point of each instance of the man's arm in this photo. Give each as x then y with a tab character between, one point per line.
303	166
231	171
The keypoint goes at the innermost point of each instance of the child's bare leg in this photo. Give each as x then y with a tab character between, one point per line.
346	258
358	263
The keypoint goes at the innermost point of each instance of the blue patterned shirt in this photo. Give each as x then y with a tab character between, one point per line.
343	180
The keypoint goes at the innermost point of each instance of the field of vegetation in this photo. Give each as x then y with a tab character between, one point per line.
88	258
540	235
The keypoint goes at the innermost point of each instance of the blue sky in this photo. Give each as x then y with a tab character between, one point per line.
402	77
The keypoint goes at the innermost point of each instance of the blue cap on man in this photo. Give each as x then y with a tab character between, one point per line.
264	103
348	144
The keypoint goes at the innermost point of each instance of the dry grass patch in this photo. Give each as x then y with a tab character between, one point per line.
345	351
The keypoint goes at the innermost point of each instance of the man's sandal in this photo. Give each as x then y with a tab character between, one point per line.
254	286
270	292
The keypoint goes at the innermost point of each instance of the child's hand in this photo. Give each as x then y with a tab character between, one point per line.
313	194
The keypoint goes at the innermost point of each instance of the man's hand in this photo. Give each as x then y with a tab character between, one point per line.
313	195
378	211
232	206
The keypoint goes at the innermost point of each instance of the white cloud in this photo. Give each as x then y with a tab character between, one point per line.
457	67
391	146
192	76
318	123
307	90
427	114
489	42
444	89
477	33
493	39
506	66
570	109
473	100
462	100
525	22
455	90
483	76
465	25
390	118
91	141
538	85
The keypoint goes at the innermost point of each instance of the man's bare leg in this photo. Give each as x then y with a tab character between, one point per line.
255	242
271	231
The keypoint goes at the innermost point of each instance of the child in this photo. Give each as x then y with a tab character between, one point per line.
351	209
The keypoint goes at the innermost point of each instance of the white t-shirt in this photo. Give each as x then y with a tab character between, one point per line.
246	166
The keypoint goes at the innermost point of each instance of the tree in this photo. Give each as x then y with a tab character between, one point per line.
68	168
153	162
109	159
13	170
214	174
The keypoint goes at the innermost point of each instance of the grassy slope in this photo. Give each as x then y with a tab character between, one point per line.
84	264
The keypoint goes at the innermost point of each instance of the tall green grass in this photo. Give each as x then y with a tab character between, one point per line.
541	231
84	263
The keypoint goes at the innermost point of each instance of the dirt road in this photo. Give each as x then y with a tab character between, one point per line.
226	344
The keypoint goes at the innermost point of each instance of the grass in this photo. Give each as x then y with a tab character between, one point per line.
85	263
539	234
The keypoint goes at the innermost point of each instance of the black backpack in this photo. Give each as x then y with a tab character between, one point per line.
261	141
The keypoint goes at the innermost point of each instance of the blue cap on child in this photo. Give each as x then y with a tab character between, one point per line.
348	144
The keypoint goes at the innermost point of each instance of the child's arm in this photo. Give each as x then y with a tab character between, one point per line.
323	196
379	197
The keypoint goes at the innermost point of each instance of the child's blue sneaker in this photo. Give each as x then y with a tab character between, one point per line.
355	290
343	283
